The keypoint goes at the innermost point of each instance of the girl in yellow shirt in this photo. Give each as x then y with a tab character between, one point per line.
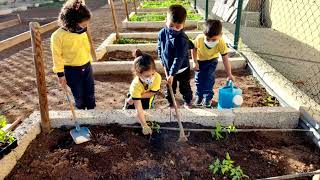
143	88
71	53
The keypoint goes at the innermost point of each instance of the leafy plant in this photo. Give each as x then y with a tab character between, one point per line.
161	16
164	4
154	125
134	41
226	167
217	132
5	137
271	101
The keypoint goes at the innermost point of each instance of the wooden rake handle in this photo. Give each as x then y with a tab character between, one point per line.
182	137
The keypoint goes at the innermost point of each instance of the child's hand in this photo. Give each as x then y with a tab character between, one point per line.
62	81
196	66
230	77
146	130
170	80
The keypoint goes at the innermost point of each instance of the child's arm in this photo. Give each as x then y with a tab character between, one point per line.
194	58
140	115
58	63
227	66
148	94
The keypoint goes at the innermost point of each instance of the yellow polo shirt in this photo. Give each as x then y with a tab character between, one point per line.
204	53
70	49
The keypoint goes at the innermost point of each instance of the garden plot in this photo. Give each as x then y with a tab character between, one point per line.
160	6
113	49
119	152
156	20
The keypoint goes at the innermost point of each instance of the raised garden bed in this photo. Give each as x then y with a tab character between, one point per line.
111	49
254	95
156	20
153	16
122	153
160	6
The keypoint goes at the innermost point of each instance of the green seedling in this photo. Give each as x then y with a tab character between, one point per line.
227	164
5	137
154	125
135	41
161	17
226	168
217	132
164	4
271	101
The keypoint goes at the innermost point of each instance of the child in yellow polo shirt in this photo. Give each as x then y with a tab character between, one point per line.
71	53
208	47
143	88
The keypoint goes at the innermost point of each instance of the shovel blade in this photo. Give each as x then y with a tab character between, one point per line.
80	135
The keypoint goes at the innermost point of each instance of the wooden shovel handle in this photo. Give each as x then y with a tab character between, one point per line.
69	101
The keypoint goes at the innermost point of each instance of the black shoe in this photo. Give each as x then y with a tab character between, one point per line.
198	102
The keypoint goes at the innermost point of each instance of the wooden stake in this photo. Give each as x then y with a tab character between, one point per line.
126	7
93	51
40	75
114	19
135	7
19	19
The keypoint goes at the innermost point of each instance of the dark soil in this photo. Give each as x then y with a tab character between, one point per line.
122	153
124	56
254	95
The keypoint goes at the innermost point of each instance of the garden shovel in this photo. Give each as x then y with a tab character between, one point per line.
79	134
182	135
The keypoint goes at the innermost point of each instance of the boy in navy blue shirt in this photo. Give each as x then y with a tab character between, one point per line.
173	51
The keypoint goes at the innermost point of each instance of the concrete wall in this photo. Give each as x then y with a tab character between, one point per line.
297	18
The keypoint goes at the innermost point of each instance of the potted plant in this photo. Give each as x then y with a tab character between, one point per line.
7	140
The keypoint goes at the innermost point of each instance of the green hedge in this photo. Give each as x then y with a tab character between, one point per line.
164	4
161	17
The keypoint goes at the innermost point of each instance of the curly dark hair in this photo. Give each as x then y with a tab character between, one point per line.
142	62
72	13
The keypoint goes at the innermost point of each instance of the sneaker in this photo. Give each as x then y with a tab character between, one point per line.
207	104
198	102
187	105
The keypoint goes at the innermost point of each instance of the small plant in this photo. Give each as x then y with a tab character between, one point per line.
164	4
271	101
161	16
154	125
226	168
134	41
217	132
5	137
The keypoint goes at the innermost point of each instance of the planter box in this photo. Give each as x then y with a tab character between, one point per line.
155	24
109	46
7	149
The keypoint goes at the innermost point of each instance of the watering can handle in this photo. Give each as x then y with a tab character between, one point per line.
230	83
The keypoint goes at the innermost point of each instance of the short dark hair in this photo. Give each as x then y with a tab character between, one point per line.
72	13
142	62
212	28
177	13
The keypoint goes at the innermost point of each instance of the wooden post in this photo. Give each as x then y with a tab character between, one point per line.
135	7
126	7
93	51
40	75
114	19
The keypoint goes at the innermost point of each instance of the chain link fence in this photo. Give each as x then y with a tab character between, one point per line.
284	33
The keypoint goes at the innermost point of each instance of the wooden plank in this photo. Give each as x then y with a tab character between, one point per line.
7	43
7	24
114	19
40	75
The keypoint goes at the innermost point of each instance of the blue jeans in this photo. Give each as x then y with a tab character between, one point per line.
205	78
81	82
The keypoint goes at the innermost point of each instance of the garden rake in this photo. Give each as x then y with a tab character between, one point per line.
79	134
182	135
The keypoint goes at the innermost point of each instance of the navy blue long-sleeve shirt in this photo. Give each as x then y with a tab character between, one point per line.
173	50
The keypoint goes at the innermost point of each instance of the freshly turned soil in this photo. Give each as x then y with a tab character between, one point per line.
254	94
122	153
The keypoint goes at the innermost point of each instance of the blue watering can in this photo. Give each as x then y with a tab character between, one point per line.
229	96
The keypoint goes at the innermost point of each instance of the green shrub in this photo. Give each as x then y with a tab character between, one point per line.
135	41
5	137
